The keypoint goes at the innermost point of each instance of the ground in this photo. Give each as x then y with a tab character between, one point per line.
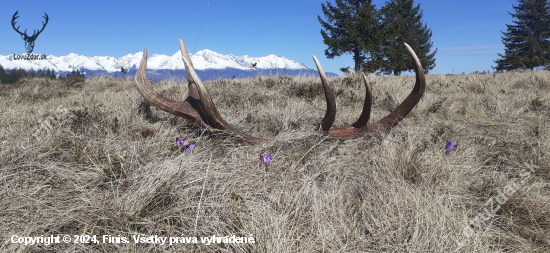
83	158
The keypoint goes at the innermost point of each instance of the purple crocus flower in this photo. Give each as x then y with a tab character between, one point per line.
450	147
190	147
181	144
265	159
423	96
185	144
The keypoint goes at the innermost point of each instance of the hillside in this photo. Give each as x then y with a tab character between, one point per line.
85	159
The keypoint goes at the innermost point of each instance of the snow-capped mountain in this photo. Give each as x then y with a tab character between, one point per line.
208	64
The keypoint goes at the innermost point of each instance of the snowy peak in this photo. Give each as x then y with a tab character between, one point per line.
208	59
202	60
212	65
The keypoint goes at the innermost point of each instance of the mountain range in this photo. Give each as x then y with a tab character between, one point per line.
208	64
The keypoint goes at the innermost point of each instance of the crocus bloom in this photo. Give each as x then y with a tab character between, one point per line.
450	147
180	143
190	147
423	96
265	159
185	144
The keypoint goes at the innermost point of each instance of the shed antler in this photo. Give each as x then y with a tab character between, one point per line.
199	108
361	127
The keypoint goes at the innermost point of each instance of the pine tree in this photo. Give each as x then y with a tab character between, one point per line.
527	41
14	75
403	23
9	76
21	73
3	75
31	73
353	26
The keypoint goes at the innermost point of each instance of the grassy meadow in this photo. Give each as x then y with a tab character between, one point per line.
88	158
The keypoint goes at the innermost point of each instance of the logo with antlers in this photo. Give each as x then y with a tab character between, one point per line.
29	40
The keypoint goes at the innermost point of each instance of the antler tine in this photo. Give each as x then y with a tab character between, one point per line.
192	87
212	115
407	105
185	55
367	105
330	114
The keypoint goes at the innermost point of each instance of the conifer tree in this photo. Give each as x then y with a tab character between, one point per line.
403	23
31	73
3	75
21	73
353	27
9	76
526	42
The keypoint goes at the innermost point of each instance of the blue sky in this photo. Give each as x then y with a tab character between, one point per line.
466	33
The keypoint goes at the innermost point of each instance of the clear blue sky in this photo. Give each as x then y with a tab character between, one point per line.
466	32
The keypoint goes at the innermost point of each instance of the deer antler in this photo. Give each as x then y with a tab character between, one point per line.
199	108
361	127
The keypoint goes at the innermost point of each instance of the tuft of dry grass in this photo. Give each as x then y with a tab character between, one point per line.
85	159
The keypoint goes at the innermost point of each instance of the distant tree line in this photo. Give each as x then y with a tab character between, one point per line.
14	75
75	74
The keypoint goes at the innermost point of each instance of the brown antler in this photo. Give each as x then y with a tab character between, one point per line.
199	108
361	127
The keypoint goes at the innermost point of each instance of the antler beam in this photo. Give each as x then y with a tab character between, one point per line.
199	108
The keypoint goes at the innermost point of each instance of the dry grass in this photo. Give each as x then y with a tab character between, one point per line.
101	168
